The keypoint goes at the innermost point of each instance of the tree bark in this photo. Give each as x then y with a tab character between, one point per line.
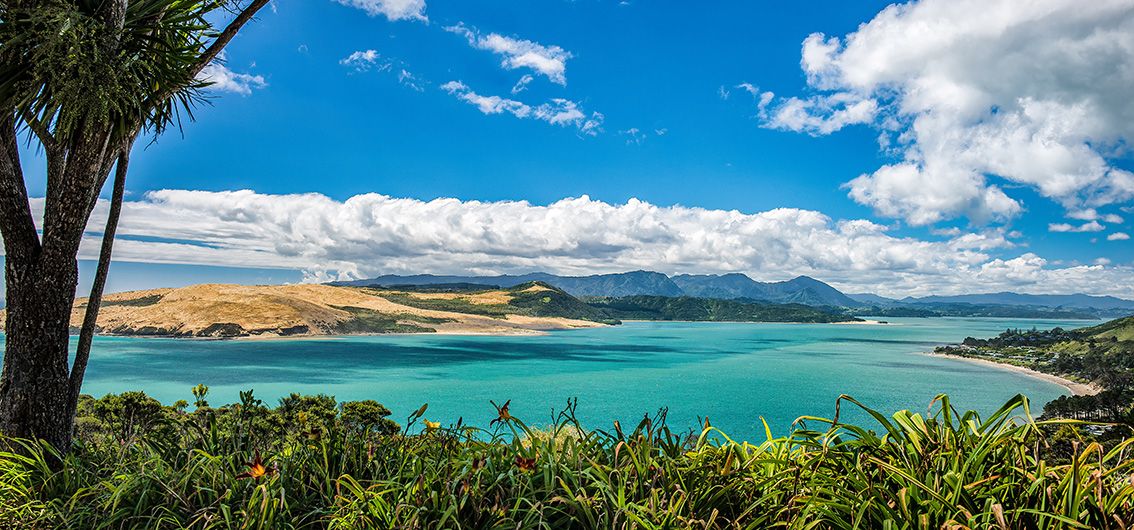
34	390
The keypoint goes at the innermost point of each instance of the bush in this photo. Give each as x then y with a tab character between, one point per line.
196	470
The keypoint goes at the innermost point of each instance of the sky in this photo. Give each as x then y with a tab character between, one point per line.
929	147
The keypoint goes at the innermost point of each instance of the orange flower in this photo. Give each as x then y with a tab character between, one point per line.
525	464
256	468
502	411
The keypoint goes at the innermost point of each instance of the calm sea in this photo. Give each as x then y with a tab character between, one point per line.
732	373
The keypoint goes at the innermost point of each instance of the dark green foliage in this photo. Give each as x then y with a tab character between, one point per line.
127	414
941	470
961	309
894	311
65	67
364	320
1095	354
455	305
368	415
308	414
535	299
709	309
141	301
1119	329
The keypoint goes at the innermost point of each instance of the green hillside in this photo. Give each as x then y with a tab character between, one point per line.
687	308
1121	329
536	299
1102	355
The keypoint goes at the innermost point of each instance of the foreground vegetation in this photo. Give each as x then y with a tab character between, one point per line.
312	463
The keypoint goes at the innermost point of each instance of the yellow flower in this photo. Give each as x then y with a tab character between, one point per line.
431	425
503	415
256	469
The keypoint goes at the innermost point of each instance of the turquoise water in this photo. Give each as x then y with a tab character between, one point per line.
732	373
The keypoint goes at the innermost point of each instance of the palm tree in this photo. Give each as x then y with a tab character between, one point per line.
83	78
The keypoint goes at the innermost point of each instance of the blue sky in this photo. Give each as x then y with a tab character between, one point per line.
658	102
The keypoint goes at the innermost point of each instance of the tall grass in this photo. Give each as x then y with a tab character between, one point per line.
907	470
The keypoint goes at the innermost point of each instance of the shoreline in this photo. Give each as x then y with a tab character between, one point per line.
1076	388
840	323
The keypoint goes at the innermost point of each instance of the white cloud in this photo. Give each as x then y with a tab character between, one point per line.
371	234
549	61
822	114
557	111
1118	236
969	92
903	190
1090	214
1092	226
364	60
222	79
408	79
522	84
763	99
367	60
391	9
633	136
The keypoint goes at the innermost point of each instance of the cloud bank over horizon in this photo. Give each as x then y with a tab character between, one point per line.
371	234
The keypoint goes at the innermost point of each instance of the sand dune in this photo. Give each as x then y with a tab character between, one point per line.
221	310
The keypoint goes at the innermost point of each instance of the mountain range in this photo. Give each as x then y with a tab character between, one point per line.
800	290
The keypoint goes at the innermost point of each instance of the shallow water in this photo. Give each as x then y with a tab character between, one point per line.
733	373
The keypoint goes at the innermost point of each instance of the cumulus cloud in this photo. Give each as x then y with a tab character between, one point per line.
391	9
969	93
1090	214
221	79
1092	226
371	234
1118	236
557	111
549	61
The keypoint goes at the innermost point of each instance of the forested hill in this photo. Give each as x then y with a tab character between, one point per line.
687	308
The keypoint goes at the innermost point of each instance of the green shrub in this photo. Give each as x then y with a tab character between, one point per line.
944	470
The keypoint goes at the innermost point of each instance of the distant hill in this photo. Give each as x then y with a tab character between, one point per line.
1121	329
621	284
1068	301
1005	304
686	308
871	299
801	290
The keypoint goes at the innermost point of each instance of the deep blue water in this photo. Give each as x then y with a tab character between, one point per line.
732	373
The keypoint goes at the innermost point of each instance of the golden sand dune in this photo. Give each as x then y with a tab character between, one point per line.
220	310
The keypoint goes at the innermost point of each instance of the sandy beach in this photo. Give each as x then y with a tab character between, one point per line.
1076	388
